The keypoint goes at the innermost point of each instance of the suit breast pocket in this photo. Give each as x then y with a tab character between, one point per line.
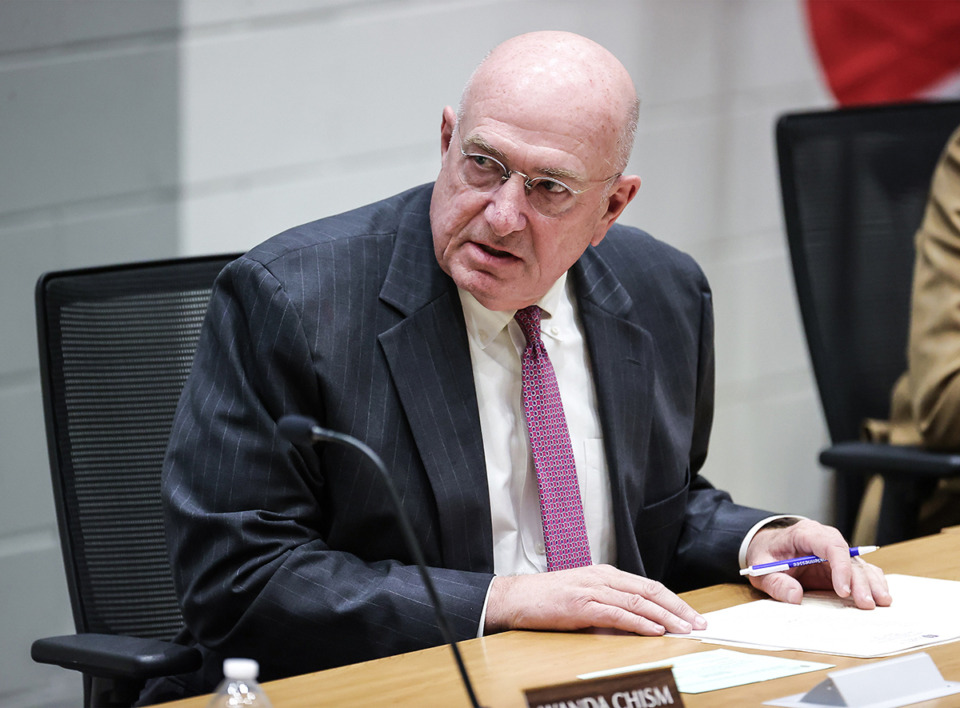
657	527
664	512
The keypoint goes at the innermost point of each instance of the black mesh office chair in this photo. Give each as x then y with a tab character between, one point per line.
854	184
116	344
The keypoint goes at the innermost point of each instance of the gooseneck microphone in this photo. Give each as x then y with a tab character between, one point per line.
301	430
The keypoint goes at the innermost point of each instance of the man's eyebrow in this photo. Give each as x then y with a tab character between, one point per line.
561	174
478	142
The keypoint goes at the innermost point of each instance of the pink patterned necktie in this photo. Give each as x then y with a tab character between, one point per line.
564	528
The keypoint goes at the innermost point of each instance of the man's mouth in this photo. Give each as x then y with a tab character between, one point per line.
495	252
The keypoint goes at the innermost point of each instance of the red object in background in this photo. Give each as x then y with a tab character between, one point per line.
883	51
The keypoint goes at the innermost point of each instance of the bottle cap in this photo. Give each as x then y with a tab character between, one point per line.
243	669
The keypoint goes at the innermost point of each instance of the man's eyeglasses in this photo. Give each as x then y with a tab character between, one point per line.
549	196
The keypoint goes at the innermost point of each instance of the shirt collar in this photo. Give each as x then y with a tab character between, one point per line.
484	325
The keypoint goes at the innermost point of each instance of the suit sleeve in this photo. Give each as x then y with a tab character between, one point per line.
714	526
246	514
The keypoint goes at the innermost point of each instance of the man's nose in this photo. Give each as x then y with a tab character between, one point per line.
506	211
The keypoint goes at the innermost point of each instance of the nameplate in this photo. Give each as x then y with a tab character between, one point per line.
639	689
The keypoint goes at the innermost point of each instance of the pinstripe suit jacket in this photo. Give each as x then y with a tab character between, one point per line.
294	556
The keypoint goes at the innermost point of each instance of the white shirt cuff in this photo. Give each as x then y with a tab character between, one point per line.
483	613
753	532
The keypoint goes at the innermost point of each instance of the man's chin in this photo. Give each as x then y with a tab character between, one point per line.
486	289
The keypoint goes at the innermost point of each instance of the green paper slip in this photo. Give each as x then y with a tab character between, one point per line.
720	668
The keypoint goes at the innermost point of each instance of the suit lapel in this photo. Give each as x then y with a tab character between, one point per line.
429	359
621	361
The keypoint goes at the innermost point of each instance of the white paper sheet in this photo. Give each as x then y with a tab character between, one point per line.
923	613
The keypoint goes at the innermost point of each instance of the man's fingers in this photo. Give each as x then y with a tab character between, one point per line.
848	577
863	582
616	616
869	586
840	571
595	596
672	619
779	586
652	599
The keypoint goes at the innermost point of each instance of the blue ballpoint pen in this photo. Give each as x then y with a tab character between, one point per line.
780	566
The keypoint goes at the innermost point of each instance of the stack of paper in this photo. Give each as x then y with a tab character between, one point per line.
923	613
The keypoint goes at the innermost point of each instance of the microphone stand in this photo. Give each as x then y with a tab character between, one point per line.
303	429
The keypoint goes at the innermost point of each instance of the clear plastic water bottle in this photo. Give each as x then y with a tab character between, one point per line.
239	686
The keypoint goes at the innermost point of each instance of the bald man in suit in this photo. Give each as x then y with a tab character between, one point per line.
395	324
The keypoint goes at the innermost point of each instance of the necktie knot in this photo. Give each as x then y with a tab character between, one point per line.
529	320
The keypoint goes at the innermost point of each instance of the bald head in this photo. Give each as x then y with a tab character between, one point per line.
563	75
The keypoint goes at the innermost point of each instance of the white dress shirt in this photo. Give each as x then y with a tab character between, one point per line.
496	347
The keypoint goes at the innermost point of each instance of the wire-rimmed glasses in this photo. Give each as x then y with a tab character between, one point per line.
548	195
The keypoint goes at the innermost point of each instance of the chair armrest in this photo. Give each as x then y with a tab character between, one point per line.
890	460
116	656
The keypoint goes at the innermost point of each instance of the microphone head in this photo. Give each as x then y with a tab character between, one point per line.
298	429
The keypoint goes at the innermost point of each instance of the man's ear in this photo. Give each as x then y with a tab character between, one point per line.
447	125
622	194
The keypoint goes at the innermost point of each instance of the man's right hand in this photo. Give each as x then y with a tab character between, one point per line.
592	596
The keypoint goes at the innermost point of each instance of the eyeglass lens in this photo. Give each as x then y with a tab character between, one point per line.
485	174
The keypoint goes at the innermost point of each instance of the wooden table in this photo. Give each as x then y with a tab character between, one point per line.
503	665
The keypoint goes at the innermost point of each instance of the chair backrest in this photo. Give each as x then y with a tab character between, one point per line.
854	184
116	344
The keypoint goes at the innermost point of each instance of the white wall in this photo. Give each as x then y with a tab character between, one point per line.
139	130
88	174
